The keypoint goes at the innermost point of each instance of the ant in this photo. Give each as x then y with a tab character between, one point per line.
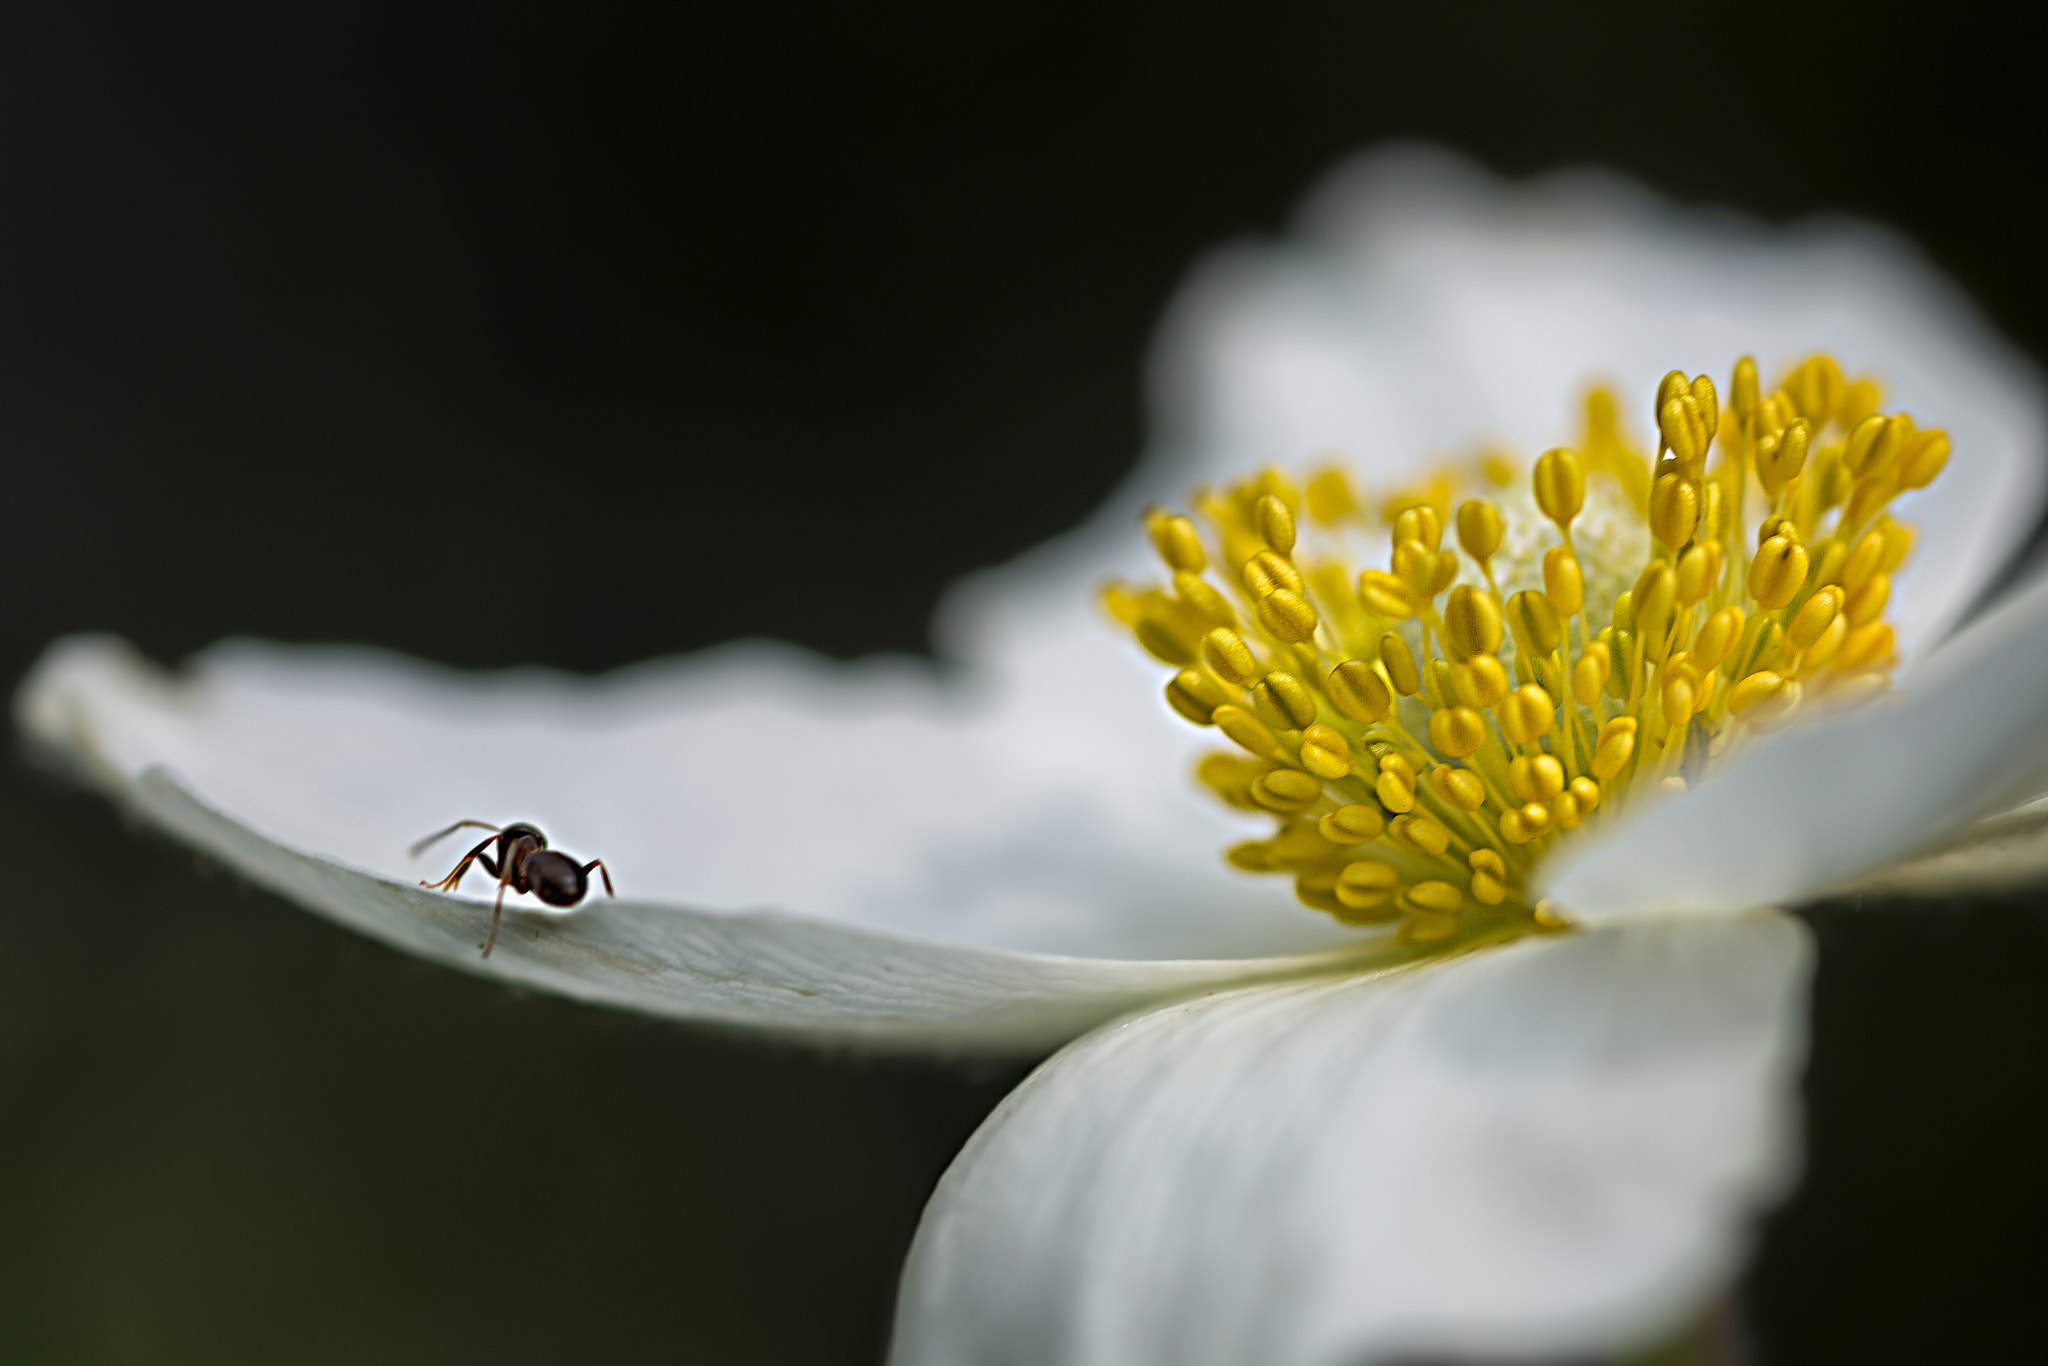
524	863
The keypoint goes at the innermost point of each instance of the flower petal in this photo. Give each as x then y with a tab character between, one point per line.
1967	738
269	753
1551	1148
1424	306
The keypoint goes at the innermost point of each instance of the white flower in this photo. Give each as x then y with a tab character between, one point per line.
1273	1153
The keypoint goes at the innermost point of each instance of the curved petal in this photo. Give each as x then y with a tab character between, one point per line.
1966	738
1551	1148
1423	306
268	754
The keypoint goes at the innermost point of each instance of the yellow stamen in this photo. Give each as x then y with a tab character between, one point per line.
1424	733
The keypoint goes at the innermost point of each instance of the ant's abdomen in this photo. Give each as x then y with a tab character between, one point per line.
555	878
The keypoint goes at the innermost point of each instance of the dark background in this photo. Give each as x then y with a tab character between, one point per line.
587	333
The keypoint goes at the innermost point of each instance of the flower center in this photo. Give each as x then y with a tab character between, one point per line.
1426	732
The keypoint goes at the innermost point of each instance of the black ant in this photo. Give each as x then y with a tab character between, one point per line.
524	863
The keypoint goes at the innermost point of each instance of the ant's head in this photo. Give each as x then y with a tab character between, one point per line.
511	833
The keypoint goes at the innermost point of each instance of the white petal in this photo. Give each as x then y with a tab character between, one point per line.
1423	306
1552	1148
311	771
1966	738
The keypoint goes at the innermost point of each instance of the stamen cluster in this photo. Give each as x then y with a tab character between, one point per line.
1426	732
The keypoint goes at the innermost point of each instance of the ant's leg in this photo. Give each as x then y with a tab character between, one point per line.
498	911
440	835
598	864
454	879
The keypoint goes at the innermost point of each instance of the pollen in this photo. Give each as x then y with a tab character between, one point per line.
1424	720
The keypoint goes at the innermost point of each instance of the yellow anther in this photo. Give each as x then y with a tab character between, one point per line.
1287	698
1777	524
1871	644
1329	496
1924	456
1818	387
1286	790
1778	412
1420	523
1536	777
1489	890
1825	646
1488	862
1859	400
1428	927
1780	456
1268	571
1525	714
1230	777
1874	444
1674	508
1652	599
1764	697
1898	542
1712	512
1535	818
1480	681
1742	393
1366	883
1862	562
1250	856
1396	793
1717	637
1395	763
1695	575
1679	698
1441	897
1670	389
1399	664
1121	602
1684	430
1325	753
1534	620
1420	833
1385	596
1611	752
1589	675
1560	486
1352	824
1480	528
1777	573
1564	811
1194	695
1428	573
1563	581
1203	599
1587	793
1461	787
1170	631
1814	618
1287	615
1357	690
1457	731
1708	402
1226	653
1300	846
1178	543
1247	730
1275	524
1471	622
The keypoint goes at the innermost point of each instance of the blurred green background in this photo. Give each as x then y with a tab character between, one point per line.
480	331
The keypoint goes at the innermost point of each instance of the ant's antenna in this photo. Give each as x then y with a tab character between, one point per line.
440	835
